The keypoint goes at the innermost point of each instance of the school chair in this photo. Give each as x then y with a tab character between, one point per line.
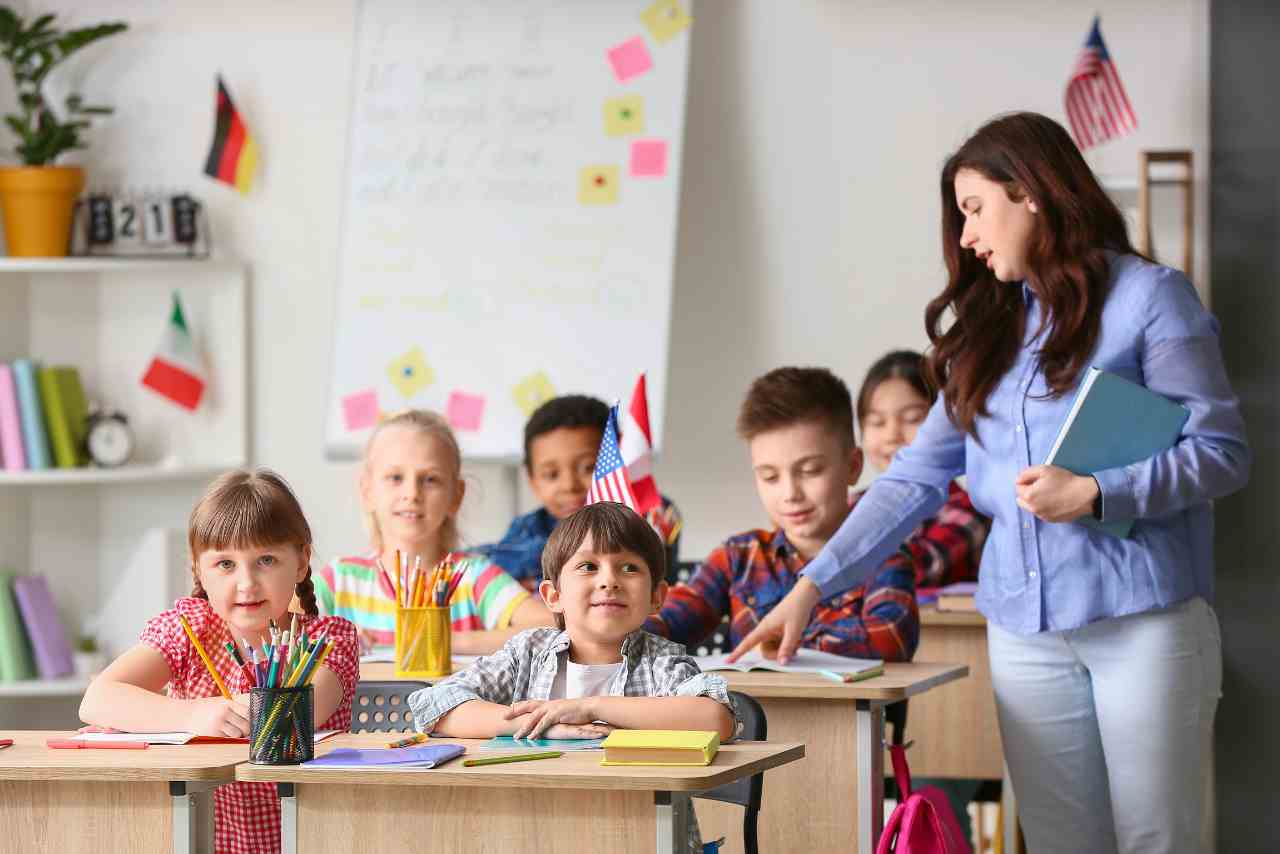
746	792
679	570
383	706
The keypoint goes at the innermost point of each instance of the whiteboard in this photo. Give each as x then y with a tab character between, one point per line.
509	214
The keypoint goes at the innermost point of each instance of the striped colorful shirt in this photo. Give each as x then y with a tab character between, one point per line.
354	588
751	573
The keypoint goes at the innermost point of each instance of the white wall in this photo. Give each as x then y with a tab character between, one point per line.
809	212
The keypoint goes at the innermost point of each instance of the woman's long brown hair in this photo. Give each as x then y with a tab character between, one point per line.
1067	268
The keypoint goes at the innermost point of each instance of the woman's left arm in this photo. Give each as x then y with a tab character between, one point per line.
1182	360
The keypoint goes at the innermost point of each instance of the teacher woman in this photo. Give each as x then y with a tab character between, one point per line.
1105	654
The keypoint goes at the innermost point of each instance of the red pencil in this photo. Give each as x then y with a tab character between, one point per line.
71	744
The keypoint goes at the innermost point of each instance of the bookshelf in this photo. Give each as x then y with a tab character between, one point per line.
111	542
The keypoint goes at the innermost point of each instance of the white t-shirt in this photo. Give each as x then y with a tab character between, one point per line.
583	680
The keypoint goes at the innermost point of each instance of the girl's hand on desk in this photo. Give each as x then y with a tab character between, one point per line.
539	717
219	717
1054	494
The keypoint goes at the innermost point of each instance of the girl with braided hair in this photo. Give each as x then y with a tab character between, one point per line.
250	556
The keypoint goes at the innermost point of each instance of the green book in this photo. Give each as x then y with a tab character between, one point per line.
66	415
15	649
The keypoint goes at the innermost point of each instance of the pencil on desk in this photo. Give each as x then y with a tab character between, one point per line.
204	656
517	757
416	738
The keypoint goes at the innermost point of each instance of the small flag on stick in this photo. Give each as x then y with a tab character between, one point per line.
610	481
1097	107
233	157
637	450
175	370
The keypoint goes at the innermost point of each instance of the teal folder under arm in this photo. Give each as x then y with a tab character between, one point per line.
1114	423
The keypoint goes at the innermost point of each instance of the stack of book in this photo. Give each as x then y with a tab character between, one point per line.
32	641
43	417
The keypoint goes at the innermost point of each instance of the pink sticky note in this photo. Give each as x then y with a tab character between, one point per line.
630	59
648	158
360	410
465	411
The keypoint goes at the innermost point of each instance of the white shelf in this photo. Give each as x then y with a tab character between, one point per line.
113	265
67	686
125	474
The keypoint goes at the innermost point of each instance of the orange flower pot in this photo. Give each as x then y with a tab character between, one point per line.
38	203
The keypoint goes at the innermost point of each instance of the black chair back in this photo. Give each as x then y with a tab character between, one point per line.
748	791
383	706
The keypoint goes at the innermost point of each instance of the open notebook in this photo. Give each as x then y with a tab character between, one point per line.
506	742
180	737
825	664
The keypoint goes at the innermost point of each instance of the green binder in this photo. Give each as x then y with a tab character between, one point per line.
66	415
15	650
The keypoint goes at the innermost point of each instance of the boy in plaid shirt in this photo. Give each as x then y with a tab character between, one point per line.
798	423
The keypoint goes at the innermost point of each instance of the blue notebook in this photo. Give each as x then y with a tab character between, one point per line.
1113	423
388	759
34	437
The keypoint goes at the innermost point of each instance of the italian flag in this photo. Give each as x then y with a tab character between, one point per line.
175	371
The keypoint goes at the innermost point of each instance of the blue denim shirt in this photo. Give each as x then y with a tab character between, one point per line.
1040	576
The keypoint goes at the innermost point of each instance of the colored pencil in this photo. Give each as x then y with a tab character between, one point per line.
416	738
518	757
204	656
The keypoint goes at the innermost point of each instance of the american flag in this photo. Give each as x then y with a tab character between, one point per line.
1097	107
610	481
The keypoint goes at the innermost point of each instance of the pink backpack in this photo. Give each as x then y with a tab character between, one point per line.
923	822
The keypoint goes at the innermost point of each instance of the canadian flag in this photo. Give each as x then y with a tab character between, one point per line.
636	444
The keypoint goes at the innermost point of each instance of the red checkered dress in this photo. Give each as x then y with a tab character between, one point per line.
246	815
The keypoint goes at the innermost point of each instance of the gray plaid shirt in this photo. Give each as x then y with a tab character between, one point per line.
526	666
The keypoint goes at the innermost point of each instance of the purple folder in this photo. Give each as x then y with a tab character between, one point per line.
48	640
390	759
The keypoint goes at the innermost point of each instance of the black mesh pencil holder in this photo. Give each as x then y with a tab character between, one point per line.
282	725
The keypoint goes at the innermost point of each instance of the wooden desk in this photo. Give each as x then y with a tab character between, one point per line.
834	799
847	760
569	803
967	709
956	732
158	799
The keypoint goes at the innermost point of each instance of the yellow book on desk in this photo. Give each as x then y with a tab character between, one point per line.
660	747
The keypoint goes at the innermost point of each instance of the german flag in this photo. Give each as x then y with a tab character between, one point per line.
233	157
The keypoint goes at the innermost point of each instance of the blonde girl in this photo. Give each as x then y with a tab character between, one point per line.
411	490
250	556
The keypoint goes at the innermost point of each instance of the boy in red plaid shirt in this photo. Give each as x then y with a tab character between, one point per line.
798	424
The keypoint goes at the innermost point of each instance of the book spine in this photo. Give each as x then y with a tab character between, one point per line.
33	436
55	418
15	456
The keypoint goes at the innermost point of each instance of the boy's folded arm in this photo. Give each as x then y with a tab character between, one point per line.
491	679
698	711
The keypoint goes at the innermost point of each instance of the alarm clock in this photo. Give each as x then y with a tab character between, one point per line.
109	439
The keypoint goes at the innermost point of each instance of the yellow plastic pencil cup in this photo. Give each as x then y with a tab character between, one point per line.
424	642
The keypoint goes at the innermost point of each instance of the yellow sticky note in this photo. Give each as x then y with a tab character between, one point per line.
665	19
598	185
624	115
410	373
533	391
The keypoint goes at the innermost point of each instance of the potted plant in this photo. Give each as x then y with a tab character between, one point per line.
88	659
38	198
